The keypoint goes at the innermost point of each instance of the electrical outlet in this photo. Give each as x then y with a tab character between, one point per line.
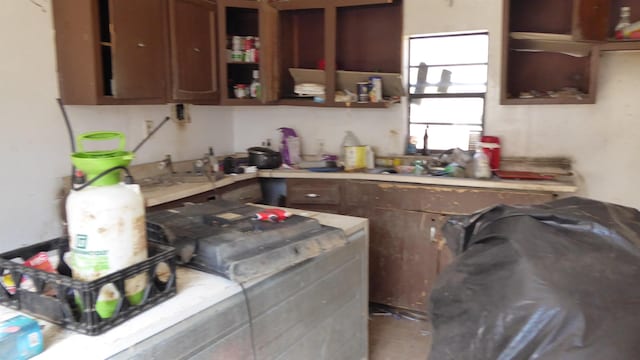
180	113
148	127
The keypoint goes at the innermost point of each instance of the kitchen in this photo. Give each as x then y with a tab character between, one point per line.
599	138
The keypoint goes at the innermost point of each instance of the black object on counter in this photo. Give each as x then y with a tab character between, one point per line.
229	165
551	281
71	303
230	243
264	158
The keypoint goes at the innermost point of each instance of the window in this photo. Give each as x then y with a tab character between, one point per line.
447	87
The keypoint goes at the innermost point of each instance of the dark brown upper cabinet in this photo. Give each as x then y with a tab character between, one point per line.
193	35
550	52
111	51
245	35
551	48
318	41
336	44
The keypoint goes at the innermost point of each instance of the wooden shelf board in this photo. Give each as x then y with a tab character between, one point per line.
242	63
309	102
240	102
620	45
571	48
548	101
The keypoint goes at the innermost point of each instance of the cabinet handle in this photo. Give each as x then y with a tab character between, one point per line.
196	49
141	44
311	196
432	234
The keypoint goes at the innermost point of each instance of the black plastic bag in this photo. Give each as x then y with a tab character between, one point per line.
554	281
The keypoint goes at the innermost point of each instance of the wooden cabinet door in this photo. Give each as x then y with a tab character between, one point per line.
193	51
591	19
139	53
403	258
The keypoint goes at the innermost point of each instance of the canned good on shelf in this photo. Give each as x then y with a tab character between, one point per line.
237	55
363	92
375	90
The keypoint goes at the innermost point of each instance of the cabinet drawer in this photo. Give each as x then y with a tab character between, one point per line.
242	192
312	192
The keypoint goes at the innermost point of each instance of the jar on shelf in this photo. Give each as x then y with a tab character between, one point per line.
240	91
625	13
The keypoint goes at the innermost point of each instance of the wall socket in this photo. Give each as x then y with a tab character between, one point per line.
180	113
148	127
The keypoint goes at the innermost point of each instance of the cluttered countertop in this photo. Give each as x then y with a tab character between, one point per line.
552	178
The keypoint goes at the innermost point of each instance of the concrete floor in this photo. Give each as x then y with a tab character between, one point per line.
397	338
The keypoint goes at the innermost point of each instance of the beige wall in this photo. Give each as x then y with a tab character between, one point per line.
600	138
35	147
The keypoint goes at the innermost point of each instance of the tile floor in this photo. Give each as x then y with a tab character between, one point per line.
392	337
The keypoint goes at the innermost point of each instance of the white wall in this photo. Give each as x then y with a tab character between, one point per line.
35	146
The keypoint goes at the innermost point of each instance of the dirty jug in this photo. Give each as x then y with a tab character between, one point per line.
106	221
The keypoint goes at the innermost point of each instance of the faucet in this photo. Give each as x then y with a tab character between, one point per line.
201	166
166	164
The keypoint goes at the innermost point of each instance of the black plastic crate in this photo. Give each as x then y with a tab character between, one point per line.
56	297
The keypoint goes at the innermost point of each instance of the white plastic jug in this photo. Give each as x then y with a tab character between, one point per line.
106	222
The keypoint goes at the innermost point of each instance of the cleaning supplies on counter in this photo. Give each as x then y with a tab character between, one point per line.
290	146
353	156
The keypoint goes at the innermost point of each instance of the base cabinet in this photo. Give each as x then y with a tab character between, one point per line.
407	249
247	191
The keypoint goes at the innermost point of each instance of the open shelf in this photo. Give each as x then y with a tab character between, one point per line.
620	45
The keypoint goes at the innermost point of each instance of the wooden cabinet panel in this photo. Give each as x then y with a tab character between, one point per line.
407	247
111	51
403	258
139	50
437	199
315	195
363	43
194	51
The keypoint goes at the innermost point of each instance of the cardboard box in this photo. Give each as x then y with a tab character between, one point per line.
20	338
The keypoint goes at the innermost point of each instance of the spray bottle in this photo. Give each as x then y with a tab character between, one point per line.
290	146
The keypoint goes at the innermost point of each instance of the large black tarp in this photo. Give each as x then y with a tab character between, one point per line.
559	280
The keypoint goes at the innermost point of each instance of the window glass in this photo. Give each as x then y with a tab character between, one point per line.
449	49
447	85
450	79
447	110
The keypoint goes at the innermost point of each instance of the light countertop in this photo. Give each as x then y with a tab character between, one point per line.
555	186
196	291
155	195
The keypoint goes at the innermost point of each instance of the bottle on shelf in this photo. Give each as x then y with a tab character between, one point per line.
624	22
425	147
255	88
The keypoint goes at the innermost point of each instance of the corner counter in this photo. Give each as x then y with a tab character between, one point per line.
318	305
157	195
